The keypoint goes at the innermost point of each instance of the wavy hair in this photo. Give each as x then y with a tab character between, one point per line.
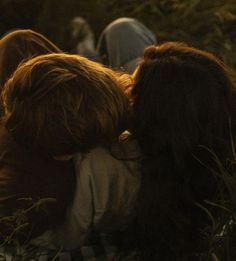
61	104
183	100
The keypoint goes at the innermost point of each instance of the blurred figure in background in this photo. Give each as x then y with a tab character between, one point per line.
119	46
122	43
80	39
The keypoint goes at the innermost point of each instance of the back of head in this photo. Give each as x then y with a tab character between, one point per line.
20	45
188	93
182	105
61	104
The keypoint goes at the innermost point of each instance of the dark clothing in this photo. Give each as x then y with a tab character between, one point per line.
26	174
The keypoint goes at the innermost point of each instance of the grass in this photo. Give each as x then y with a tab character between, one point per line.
220	237
17	230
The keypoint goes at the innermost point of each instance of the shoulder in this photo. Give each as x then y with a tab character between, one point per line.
120	155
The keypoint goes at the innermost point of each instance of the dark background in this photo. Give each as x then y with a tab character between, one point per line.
207	24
